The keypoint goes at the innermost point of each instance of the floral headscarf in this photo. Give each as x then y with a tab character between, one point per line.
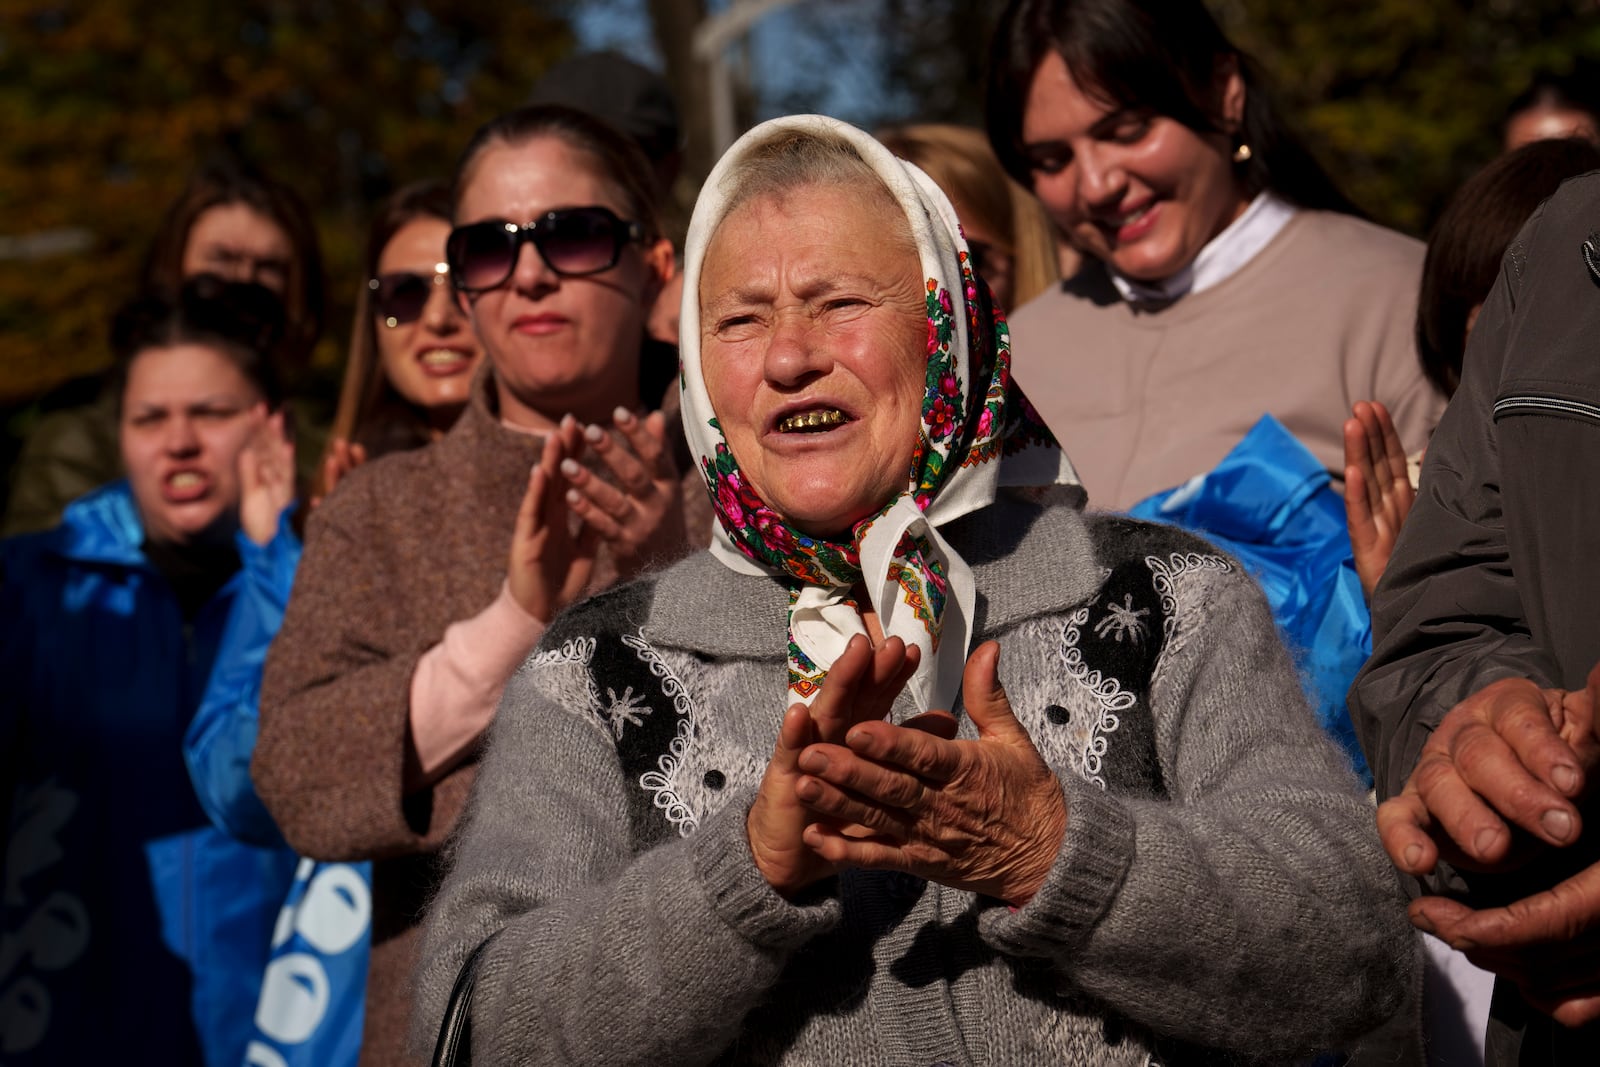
978	433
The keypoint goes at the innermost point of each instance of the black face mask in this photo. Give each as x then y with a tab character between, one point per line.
196	571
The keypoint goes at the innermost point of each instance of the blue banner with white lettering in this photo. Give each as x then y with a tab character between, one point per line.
314	993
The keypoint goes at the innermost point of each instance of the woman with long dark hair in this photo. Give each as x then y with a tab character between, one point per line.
1228	277
412	350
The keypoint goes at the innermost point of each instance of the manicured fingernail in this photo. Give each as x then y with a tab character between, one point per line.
1412	856
1557	823
570	468
814	763
574	497
1565	779
1422	922
594	433
1485	840
622	415
567	420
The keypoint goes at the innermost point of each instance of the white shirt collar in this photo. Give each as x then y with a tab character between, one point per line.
1220	258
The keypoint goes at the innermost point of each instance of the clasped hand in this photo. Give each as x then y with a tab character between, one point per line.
1512	757
640	517
847	789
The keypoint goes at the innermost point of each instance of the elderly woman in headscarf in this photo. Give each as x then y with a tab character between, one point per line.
788	802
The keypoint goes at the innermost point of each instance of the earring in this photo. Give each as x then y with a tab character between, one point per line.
1242	154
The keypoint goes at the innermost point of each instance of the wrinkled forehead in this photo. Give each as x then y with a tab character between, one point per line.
784	156
861	212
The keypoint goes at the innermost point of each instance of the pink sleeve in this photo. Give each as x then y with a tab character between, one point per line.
457	683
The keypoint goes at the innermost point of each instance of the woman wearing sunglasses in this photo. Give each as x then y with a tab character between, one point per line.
408	613
412	349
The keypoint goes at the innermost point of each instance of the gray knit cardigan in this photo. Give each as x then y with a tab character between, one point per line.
1220	895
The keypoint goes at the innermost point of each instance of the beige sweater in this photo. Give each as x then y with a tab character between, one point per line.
1144	400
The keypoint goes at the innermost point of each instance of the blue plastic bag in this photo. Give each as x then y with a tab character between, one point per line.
1270	503
313	995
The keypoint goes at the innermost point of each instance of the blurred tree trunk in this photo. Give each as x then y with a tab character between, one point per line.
674	23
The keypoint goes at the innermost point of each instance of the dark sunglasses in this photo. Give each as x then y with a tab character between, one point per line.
572	241
401	297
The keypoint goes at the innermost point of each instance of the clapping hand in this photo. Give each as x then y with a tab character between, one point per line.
641	516
1377	489
987	816
549	564
266	477
860	687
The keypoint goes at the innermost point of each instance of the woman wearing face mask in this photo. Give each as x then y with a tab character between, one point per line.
1228	277
138	929
431	574
230	222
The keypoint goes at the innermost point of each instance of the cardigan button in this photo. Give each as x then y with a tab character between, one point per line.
715	780
1058	714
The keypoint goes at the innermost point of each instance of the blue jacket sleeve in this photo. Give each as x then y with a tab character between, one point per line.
222	735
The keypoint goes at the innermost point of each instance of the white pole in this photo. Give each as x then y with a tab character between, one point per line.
711	40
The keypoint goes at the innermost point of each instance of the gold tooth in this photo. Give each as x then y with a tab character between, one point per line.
810	420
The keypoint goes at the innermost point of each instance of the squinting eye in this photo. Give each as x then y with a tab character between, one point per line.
1129	132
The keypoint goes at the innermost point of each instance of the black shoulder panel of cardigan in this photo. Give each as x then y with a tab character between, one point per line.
641	698
1118	638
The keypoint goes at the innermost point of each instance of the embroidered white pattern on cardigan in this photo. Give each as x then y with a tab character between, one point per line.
1123	620
663	782
1107	691
579	650
625	710
670	684
1163	573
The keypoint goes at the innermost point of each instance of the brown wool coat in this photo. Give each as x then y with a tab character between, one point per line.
407	545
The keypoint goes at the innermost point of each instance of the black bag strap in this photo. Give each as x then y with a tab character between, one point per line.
455	1032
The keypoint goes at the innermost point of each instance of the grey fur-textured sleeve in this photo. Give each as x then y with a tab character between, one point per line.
1254	908
605	953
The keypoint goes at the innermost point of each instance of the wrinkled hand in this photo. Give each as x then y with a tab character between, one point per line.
641	516
548	567
860	687
1377	489
266	477
1547	944
986	816
1510	752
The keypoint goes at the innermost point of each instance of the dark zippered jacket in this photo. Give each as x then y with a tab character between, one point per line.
1496	573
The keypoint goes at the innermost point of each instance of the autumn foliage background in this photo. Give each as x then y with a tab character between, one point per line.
105	105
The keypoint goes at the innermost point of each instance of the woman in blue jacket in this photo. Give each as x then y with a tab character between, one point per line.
134	930
411	353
